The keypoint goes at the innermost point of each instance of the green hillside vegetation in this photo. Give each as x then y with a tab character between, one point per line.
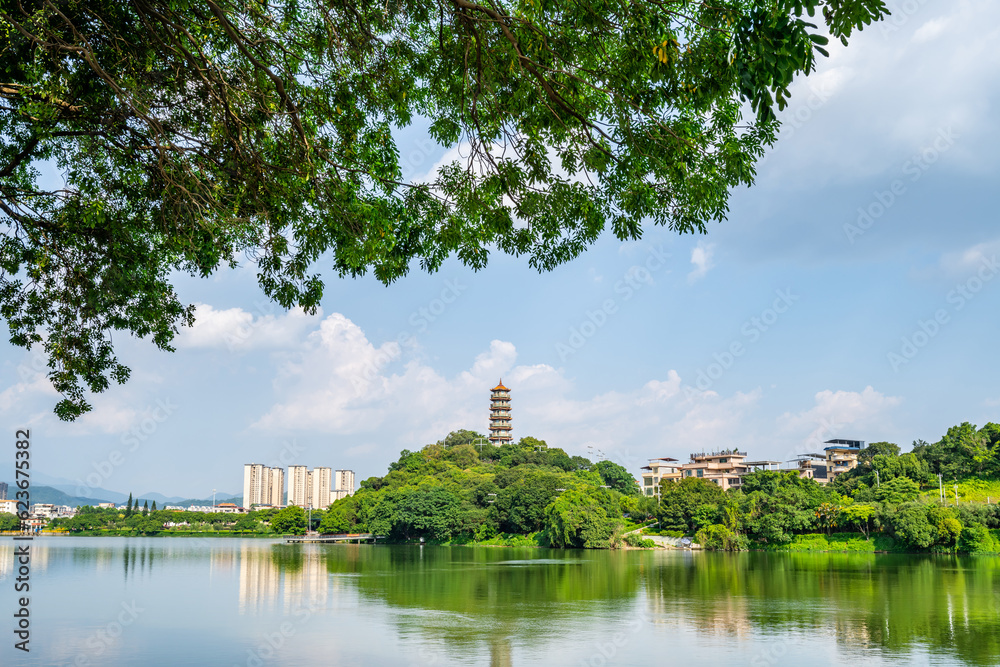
523	493
890	502
151	521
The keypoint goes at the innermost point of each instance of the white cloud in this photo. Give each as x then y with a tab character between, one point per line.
968	261
929	30
237	329
341	383
875	104
838	414
702	257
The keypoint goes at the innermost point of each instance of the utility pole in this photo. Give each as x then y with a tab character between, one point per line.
878	482
213	498
941	489
956	495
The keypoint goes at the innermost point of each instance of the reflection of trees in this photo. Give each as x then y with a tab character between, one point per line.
893	603
466	598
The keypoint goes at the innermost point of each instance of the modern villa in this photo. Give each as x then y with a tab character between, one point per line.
727	467
838	458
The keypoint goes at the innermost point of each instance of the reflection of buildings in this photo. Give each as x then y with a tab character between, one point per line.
308	585
258	579
300	581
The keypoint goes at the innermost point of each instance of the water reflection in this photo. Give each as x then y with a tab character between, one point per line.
439	605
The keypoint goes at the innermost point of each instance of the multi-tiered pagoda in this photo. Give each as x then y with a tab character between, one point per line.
500	415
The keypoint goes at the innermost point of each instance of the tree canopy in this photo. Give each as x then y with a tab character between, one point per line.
190	135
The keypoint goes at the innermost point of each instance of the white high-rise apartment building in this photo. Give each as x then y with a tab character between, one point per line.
277	487
299	486
343	484
262	485
253	483
321	478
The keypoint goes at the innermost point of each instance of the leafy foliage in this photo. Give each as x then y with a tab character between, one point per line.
618	478
190	134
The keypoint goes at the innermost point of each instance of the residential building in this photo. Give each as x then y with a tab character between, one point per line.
226	508
838	458
299	486
724	468
343	483
500	415
3	490
43	510
106	506
656	471
338	494
321	479
254	483
8	506
276	489
262	485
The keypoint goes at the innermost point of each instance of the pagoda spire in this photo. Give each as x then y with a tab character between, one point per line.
500	415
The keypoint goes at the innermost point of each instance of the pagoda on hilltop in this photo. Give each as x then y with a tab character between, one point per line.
500	415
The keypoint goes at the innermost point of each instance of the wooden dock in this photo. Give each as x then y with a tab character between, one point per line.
330	539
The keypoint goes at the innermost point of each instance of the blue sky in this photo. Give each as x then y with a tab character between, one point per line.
852	293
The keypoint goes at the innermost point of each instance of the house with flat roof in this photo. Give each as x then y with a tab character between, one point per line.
656	471
724	468
838	458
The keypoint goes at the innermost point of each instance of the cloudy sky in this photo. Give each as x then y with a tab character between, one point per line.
852	293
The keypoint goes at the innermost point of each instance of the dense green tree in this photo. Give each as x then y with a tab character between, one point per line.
975	539
718	537
429	512
618	478
341	517
291	519
897	491
128	506
464	456
776	505
192	133
153	508
145	508
911	525
858	515
9	522
884	448
680	501
961	452
247	523
524	493
584	519
460	437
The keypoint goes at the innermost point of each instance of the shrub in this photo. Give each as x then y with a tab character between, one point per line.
976	539
719	538
637	540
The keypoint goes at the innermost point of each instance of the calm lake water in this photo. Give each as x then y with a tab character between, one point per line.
187	601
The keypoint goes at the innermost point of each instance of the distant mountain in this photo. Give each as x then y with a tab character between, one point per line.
88	492
86	495
160	498
47	494
236	500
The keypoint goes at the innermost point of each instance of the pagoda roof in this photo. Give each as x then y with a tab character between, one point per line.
500	387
